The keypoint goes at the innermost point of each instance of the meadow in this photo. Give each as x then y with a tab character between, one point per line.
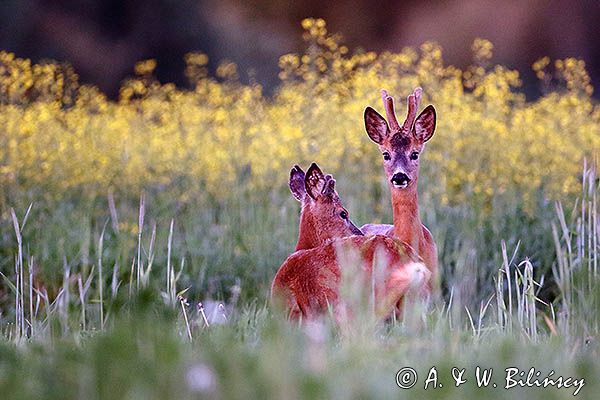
139	237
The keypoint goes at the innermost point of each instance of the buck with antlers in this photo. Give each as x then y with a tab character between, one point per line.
308	282
401	147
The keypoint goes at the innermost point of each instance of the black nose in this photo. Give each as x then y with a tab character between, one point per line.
400	179
355	230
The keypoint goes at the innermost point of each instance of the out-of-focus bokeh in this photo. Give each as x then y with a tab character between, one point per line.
103	39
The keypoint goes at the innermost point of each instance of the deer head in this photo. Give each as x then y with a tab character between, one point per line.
323	215
401	146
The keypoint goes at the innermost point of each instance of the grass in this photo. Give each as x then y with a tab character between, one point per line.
177	308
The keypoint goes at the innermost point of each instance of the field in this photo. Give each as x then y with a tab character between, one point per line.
139	237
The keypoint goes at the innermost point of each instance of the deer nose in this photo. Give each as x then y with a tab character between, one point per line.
355	231
400	179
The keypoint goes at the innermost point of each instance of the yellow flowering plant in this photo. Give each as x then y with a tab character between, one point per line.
57	135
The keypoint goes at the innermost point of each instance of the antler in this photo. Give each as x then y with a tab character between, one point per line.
413	101
388	104
328	186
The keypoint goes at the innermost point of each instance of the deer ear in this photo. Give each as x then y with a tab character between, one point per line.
297	183
376	126
425	124
314	181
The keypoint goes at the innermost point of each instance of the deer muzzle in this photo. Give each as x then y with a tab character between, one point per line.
400	180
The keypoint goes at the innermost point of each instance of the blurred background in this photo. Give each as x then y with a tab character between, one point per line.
103	39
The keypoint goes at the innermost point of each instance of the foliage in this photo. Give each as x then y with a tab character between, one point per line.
62	136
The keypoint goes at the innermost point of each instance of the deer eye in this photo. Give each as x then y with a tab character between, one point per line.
344	215
414	155
386	156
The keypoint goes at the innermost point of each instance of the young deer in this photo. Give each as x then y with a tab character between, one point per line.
401	147
308	282
316	193
317	196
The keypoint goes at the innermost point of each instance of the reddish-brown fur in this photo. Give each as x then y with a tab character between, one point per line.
309	280
399	145
323	216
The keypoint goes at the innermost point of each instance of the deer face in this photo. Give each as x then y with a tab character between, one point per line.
401	146
323	213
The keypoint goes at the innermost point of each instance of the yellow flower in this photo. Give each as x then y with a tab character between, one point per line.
59	135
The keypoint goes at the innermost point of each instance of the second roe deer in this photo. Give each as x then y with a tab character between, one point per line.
401	148
323	216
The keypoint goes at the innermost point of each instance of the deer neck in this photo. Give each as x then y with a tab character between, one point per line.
307	236
407	223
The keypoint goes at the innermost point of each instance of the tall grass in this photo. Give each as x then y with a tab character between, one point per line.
151	310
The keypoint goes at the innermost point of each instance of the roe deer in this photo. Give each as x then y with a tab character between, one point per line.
316	193
308	282
401	147
317	196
